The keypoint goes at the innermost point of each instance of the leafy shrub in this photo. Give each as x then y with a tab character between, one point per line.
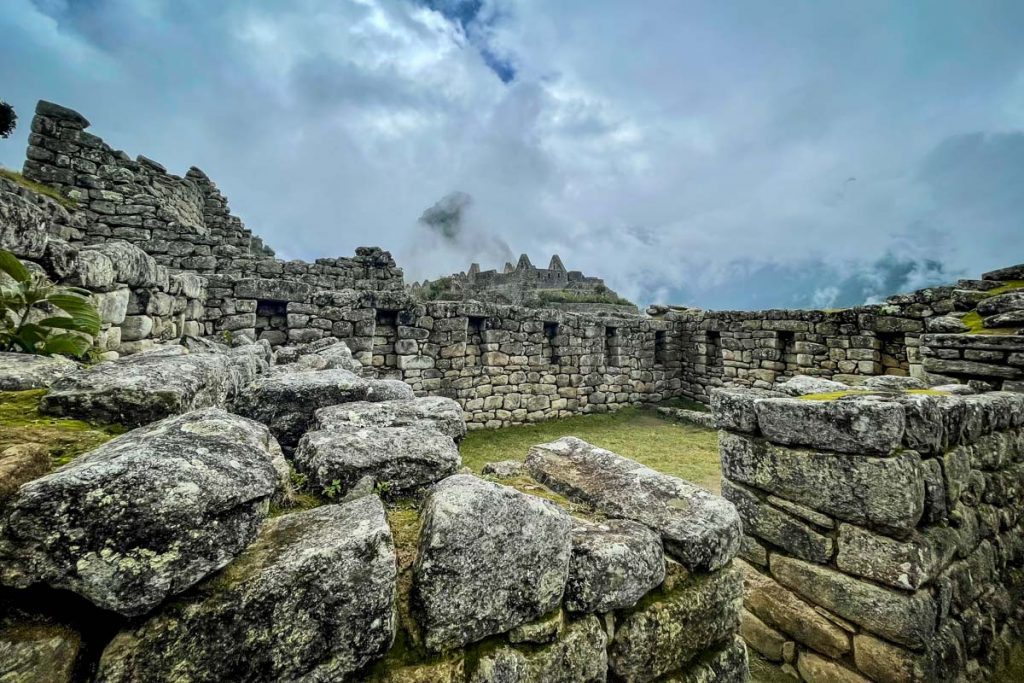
25	295
8	120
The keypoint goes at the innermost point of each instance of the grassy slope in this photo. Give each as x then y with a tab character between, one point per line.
39	188
682	450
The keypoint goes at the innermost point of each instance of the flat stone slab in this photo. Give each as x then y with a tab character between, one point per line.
1001	303
614	564
490	559
438	412
882	491
146	515
287	403
802	385
1008	273
139	389
399	459
699	529
23	371
733	407
857	425
312	599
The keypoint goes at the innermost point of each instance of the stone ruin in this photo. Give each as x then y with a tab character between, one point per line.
525	284
872	461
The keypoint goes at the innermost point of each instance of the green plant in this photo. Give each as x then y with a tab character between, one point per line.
382	488
25	295
333	490
8	120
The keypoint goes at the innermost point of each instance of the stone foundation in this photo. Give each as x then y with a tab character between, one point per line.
884	533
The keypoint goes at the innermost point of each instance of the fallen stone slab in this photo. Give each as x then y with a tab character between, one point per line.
438	412
38	653
1008	273
699	529
142	388
894	383
803	385
664	634
887	492
855	425
288	403
578	655
312	599
904	618
400	460
490	559
22	371
614	564
146	515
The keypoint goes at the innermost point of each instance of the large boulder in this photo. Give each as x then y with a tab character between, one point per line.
146	515
145	387
132	266
1001	303
21	371
859	425
439	412
287	403
698	528
614	564
312	599
577	655
490	559
398	459
733	407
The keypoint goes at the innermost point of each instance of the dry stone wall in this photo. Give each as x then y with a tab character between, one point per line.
884	533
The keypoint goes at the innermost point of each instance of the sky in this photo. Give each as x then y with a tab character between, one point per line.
724	155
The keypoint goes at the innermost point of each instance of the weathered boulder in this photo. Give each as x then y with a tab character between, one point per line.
887	492
38	653
398	459
803	385
490	559
388	390
21	371
894	383
339	356
904	618
578	655
614	564
1008	273
1008	319
1001	303
949	324
857	425
699	529
664	633
905	564
733	407
287	403
143	516
724	664
439	412
312	599
132	266
145	387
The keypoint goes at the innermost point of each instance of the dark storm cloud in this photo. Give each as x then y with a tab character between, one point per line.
689	152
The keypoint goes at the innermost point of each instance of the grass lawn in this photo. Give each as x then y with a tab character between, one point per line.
682	450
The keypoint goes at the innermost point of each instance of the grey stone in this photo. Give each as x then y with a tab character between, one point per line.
38	652
814	668
724	664
1008	319
803	385
578	655
112	306
1008	273
132	266
614	564
1001	303
490	559
849	426
733	407
946	324
766	640
146	515
944	660
388	390
439	412
886	492
907	619
23	371
136	327
398	459
907	564
894	383
287	403
970	367
663	634
504	469
699	529
312	599
272	290
779	528
139	389
338	355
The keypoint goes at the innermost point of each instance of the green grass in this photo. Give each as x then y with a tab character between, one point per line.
682	450
685	404
64	438
975	325
51	192
566	296
1010	286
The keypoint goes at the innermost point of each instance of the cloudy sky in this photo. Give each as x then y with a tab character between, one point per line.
722	154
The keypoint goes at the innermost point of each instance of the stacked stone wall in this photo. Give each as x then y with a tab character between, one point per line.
140	302
988	361
883	533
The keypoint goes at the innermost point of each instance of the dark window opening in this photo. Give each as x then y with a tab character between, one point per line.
660	347
551	337
713	349
611	345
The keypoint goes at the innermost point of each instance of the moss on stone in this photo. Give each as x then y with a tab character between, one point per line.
64	438
836	395
1009	286
976	325
45	190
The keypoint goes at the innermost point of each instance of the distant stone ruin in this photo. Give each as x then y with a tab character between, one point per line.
525	284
